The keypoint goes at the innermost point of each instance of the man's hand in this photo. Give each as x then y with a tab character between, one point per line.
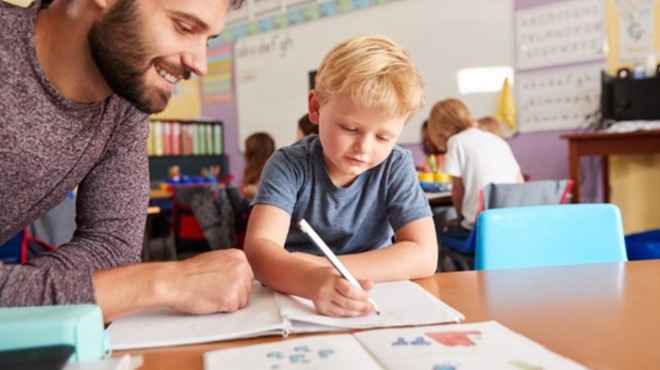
218	281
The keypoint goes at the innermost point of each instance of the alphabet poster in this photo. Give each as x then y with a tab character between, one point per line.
560	98
560	33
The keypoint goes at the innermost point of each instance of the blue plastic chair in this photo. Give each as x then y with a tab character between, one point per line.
531	193
549	236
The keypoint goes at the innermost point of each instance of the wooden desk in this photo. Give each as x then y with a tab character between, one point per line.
604	144
604	316
155	194
439	199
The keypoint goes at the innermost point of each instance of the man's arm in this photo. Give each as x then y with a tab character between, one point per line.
218	281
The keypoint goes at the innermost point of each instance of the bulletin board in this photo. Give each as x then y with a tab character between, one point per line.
272	68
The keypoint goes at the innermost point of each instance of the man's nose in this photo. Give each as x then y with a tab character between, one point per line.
195	59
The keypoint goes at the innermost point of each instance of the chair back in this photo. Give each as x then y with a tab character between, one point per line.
513	195
533	193
549	235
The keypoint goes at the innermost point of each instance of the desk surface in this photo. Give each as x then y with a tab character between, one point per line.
604	316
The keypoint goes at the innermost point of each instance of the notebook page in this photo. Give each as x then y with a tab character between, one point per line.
401	303
324	352
475	346
166	327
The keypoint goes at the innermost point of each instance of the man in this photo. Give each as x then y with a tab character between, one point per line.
78	79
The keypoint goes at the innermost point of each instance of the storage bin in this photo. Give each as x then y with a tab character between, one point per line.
643	246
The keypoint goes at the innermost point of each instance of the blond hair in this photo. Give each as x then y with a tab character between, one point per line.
450	116
490	124
374	72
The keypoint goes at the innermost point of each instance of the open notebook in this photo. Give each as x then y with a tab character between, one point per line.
486	345
270	313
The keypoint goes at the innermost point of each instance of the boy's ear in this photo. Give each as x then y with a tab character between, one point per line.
313	107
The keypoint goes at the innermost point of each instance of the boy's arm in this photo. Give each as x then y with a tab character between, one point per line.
457	194
283	271
413	256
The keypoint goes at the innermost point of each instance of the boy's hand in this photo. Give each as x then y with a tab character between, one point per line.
335	296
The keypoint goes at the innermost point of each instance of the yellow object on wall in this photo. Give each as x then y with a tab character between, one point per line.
633	32
185	102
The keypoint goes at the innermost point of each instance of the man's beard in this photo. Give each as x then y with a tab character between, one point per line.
123	58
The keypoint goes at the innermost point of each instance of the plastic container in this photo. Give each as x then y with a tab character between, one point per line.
643	246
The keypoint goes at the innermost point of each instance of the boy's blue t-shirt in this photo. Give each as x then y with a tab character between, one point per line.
358	218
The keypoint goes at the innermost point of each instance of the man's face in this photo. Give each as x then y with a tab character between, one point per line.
354	139
144	47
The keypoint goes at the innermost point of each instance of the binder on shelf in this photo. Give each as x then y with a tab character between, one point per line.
217	139
176	138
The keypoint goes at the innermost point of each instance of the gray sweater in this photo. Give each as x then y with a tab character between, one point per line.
48	146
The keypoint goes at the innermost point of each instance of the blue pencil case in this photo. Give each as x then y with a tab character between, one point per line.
80	326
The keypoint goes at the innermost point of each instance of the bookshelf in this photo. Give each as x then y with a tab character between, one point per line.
189	144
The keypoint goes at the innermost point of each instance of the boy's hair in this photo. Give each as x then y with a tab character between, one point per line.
374	72
306	126
258	148
451	116
490	124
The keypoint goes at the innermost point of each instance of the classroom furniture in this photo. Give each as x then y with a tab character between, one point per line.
192	146
441	199
492	196
151	213
549	235
603	316
605	144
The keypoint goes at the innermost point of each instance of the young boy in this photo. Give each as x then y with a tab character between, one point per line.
353	185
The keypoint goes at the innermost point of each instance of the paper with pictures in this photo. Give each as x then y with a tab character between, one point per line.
486	345
166	327
324	352
270	313
400	303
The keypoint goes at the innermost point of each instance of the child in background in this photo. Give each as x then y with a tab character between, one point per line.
490	124
351	182
474	159
429	150
306	127
258	148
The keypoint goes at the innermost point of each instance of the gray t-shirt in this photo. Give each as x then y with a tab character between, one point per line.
358	218
48	146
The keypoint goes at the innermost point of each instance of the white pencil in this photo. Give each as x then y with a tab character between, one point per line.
343	271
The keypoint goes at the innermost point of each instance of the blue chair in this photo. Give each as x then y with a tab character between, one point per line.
531	193
549	236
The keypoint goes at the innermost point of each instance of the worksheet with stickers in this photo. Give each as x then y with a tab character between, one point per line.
485	345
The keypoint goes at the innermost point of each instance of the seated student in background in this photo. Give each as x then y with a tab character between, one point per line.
350	182
306	127
258	148
474	159
429	150
490	124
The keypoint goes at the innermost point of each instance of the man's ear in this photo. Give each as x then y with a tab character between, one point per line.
313	107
